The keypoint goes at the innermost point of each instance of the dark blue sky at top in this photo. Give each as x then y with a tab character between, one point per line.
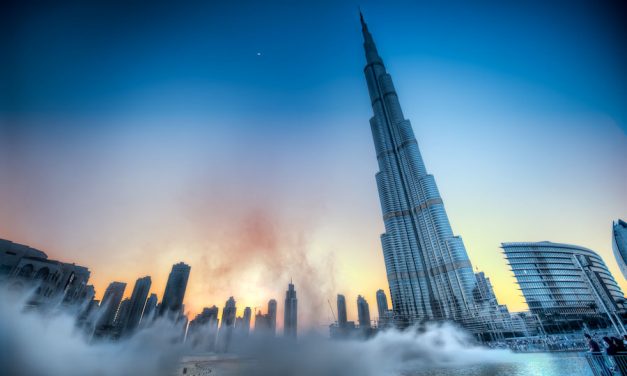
89	58
134	130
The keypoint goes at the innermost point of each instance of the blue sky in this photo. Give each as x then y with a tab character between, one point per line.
129	131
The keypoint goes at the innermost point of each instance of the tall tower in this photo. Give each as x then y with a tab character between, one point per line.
246	319
228	313
172	301
363	312
382	304
110	303
342	317
149	310
272	316
290	322
428	269
137	304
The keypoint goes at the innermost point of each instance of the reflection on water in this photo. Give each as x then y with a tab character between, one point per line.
571	364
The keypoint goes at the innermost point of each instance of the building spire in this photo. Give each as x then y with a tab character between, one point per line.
361	19
370	48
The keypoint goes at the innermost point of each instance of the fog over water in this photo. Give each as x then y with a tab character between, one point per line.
35	343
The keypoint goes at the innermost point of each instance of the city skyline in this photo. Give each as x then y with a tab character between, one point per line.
576	215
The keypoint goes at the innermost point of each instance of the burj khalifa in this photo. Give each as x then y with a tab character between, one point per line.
428	270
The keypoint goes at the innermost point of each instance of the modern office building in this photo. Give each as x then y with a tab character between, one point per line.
272	316
290	319
363	313
382	304
228	324
208	316
619	244
150	310
428	270
246	320
172	301
565	285
109	305
137	303
266	324
342	317
485	291
203	329
122	315
228	313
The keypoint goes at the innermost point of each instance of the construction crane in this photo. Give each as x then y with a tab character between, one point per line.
331	308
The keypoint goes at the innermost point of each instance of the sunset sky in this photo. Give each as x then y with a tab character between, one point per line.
235	137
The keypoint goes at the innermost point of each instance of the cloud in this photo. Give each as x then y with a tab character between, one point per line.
33	344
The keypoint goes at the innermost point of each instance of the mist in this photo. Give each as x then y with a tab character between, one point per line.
50	343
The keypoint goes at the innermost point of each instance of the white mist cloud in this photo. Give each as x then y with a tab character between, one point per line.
33	343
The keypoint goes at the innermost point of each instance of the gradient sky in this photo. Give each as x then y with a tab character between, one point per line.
235	137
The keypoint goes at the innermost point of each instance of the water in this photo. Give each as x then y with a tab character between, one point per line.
545	364
541	364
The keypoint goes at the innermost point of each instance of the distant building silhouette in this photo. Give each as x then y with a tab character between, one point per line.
109	306
228	313
261	323
228	323
150	310
363	312
137	303
272	316
382	304
208	315
342	317
121	316
172	302
246	320
619	245
203	329
266	324
484	289
290	319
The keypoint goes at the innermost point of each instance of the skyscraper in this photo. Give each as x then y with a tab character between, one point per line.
363	312
122	315
228	313
203	329
290	320
150	310
272	316
619	244
382	304
228	323
172	301
110	303
485	292
342	317
428	269
246	320
138	302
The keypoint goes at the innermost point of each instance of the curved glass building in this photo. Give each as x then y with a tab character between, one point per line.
566	285
619	243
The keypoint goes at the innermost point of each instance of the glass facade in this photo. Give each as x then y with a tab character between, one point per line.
563	279
619	244
428	269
